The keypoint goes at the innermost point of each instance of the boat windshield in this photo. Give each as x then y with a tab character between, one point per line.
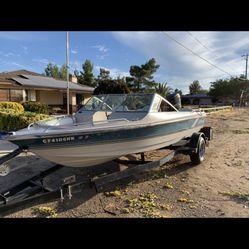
119	103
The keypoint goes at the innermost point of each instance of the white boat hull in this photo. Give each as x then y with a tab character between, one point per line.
89	155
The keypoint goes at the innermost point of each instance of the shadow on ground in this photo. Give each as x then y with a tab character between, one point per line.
88	192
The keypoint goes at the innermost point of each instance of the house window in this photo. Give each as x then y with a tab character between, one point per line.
16	95
31	95
4	95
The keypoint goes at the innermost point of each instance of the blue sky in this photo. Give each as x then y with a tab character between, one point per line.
117	51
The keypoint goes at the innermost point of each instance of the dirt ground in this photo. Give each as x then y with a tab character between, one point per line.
216	188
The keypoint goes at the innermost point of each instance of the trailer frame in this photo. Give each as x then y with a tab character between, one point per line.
33	189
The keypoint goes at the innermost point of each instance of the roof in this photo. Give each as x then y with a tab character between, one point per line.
29	79
35	81
195	96
5	76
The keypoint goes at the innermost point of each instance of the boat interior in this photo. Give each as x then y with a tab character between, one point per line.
111	108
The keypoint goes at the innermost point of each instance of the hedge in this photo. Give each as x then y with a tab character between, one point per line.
37	107
13	121
15	107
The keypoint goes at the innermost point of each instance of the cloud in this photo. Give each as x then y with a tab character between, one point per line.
18	65
102	51
74	51
25	49
43	61
101	48
22	36
114	72
178	66
8	54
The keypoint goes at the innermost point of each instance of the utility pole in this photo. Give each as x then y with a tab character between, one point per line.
246	55
241	97
68	112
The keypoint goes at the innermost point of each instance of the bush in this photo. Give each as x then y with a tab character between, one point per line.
12	107
13	121
37	107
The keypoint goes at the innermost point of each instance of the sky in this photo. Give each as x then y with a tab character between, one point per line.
177	53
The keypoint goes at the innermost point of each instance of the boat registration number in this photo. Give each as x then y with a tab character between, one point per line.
57	140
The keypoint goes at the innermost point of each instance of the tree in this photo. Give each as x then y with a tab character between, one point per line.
105	84
229	89
56	72
109	86
86	77
52	71
142	76
104	74
63	72
204	91
195	87
163	89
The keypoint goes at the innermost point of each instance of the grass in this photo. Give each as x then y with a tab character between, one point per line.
241	196
185	200
115	193
168	186
240	131
44	212
146	205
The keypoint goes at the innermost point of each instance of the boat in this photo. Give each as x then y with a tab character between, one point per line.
107	127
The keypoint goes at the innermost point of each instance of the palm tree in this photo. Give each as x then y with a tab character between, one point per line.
195	87
163	89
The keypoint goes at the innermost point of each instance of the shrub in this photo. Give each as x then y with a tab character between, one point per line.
11	111
15	107
37	107
13	121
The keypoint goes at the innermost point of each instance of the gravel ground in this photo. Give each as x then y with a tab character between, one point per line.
216	188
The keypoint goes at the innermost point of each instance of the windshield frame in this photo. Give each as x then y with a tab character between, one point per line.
125	96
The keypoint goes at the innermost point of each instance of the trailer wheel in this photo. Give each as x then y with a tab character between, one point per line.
208	132
198	157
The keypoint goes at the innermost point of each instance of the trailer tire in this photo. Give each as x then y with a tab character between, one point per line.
208	132
198	157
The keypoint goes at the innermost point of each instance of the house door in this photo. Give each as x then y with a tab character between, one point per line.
79	99
64	100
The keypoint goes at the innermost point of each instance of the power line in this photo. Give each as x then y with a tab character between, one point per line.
199	41
208	49
191	51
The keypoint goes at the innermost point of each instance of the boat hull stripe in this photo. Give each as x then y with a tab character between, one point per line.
109	136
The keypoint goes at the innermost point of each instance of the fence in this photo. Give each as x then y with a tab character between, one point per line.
214	109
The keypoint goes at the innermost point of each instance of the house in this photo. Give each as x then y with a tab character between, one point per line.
23	85
197	99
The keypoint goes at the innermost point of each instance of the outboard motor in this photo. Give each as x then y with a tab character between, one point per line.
175	100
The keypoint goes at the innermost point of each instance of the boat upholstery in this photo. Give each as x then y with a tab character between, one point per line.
90	116
132	116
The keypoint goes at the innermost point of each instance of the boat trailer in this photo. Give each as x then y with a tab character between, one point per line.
33	189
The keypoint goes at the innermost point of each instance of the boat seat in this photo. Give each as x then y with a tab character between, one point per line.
90	116
132	116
